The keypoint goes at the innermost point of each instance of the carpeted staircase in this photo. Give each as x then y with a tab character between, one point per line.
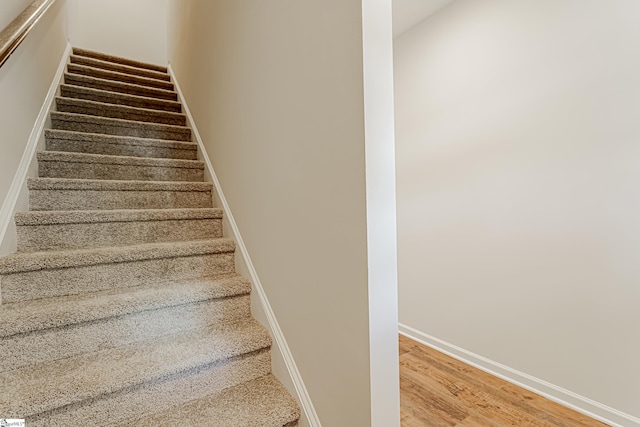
122	306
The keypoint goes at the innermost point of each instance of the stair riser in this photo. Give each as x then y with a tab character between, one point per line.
73	170
108	85
30	285
122	409
88	94
119	149
110	66
138	130
77	236
119	112
119	77
65	200
54	344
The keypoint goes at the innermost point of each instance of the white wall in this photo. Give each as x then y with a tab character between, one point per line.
382	247
518	158
24	82
135	29
276	89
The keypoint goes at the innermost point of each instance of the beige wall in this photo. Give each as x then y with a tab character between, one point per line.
24	81
517	152
134	29
276	89
11	9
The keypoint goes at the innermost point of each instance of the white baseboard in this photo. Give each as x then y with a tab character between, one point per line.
281	343
18	189
552	392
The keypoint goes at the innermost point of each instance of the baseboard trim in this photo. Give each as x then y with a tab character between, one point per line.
274	326
552	392
20	178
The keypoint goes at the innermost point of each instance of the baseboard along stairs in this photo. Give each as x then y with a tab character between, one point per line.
121	305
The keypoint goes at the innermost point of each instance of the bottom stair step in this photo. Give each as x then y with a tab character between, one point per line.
263	402
51	386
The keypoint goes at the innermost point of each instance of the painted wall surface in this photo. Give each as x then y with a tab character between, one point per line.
382	249
518	159
408	13
276	89
11	9
135	29
24	81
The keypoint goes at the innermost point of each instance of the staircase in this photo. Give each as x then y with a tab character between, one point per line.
121	306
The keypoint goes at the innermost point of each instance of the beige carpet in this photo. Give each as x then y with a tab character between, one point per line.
122	306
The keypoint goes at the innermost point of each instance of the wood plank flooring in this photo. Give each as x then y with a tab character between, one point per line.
439	391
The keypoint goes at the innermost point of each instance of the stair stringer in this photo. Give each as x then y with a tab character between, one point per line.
283	363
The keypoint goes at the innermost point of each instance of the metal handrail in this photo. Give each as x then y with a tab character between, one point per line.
19	28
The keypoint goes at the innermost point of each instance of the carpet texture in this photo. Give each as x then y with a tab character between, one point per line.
79	92
122	305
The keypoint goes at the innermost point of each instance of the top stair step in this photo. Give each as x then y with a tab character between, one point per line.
120	68
118	60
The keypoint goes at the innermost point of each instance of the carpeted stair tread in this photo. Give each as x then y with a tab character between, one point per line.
61	194
105	329
118	77
104	125
118	60
34	218
106	185
117	98
95	143
61	230
101	109
120	68
30	349
123	408
58	156
50	260
51	385
56	312
122	87
52	164
263	402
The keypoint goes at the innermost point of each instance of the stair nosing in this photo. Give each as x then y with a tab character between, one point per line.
129	108
116	185
43	218
172	93
109	159
79	118
141	79
24	262
256	396
160	75
144	65
117	94
35	315
243	337
117	139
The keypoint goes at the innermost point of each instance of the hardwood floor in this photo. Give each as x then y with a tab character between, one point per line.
439	391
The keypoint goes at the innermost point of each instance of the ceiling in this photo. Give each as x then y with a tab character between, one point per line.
407	13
